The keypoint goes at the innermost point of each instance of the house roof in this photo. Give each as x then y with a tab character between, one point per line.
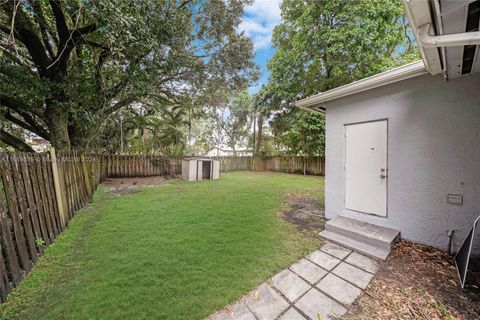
315	103
447	35
448	38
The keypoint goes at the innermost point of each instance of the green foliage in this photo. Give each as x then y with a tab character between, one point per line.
301	133
67	66
181	250
322	45
228	122
39	242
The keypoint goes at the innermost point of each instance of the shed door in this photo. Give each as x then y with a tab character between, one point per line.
199	170
366	167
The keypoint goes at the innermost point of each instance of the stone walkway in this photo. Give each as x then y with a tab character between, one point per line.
319	286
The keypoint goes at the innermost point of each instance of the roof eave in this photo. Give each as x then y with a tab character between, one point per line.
411	70
420	16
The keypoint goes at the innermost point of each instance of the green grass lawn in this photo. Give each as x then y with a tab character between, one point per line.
176	251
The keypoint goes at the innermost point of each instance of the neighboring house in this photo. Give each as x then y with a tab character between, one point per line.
219	152
403	146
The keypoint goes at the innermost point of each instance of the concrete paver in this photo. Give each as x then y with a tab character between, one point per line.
362	262
334	250
324	260
339	289
292	314
352	274
265	303
315	304
290	285
309	271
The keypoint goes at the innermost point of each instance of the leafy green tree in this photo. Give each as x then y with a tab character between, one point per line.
302	133
67	66
325	44
231	122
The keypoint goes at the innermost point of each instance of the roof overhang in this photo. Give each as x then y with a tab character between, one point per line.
317	102
447	34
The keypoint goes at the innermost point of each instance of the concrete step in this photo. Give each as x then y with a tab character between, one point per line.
364	232
378	253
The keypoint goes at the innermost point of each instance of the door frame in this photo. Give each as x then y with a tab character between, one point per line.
345	166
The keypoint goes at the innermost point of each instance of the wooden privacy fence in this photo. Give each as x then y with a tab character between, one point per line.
40	193
234	163
287	164
140	166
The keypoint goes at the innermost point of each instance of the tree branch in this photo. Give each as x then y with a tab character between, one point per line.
16	105
33	127
14	142
119	105
60	22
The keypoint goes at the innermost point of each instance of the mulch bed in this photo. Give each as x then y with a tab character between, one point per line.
419	282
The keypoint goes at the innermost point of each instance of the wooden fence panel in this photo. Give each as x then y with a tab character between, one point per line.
35	207
287	164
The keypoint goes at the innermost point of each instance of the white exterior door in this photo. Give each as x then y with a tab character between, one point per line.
366	169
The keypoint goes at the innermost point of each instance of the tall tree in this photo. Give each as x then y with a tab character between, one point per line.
231	122
67	66
324	44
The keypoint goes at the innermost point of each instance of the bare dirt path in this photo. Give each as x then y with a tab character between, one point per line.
121	186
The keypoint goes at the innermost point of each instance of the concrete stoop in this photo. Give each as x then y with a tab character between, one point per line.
368	239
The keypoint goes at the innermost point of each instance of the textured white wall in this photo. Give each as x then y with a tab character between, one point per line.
433	148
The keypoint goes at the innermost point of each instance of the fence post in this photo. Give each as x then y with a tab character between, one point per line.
56	183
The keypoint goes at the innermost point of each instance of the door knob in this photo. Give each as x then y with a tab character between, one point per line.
383	175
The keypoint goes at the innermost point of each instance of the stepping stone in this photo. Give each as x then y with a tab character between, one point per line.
334	250
316	305
323	260
309	271
339	289
363	262
265	303
292	314
353	274
238	311
290	285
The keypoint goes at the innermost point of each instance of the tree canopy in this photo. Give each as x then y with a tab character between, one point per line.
322	45
67	66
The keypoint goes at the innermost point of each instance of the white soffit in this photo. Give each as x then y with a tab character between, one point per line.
419	14
314	103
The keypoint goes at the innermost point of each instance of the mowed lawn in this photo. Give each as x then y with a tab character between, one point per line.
176	251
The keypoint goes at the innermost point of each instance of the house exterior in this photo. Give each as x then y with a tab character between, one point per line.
403	146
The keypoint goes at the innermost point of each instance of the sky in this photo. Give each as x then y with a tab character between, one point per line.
258	22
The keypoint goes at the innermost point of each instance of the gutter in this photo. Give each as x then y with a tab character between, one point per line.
317	102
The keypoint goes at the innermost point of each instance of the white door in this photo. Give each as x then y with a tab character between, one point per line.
199	170
366	167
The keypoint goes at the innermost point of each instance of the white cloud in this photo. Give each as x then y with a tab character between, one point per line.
259	20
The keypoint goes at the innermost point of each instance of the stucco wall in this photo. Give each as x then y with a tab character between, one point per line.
433	148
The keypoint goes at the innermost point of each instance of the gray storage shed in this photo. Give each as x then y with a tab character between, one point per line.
200	168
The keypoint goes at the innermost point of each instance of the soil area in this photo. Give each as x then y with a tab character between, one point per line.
121	186
419	282
306	213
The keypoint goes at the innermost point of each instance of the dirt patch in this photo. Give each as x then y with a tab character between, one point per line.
419	282
305	212
122	186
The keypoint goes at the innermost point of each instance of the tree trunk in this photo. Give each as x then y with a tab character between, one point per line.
57	122
258	141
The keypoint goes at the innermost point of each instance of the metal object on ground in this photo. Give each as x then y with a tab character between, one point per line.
463	255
